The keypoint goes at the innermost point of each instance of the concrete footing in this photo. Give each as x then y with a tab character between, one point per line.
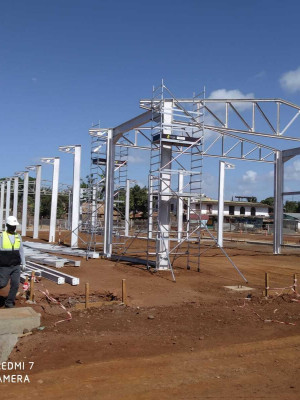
13	321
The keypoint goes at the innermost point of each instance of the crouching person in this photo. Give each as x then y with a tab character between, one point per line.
11	259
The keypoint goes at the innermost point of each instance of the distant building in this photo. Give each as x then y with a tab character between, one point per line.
234	208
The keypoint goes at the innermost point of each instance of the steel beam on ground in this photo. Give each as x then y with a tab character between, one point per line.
16	197
25	203
72	280
51	275
109	194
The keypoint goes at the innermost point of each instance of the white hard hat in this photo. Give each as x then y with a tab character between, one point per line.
11	220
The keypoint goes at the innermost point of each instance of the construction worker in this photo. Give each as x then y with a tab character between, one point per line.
11	259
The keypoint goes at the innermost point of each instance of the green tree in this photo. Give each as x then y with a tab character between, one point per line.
269	201
62	205
292	206
139	200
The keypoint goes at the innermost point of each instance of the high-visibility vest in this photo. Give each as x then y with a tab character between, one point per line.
9	253
6	243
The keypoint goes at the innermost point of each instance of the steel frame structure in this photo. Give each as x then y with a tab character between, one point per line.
225	133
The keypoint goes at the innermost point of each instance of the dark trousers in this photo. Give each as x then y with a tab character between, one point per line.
13	274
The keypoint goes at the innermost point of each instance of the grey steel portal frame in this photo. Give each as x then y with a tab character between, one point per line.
226	133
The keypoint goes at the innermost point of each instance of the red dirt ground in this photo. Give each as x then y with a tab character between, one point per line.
192	339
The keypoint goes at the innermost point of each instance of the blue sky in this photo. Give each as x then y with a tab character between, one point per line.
67	64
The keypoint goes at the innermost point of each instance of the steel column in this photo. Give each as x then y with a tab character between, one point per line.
221	203
2	204
180	207
37	201
94	208
16	193
150	211
188	216
127	203
165	184
25	203
7	205
56	162
109	194
278	203
76	196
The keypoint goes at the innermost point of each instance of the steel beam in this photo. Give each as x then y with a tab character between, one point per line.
25	203
109	193
290	153
133	123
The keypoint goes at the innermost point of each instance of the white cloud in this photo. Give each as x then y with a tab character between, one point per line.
135	159
230	94
292	172
250	176
290	80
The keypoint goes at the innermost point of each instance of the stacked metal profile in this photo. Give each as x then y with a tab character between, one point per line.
48	273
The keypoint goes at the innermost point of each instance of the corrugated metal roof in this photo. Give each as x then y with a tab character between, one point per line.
292	215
